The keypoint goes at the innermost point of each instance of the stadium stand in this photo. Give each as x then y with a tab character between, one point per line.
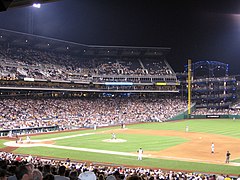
28	56
38	63
20	115
10	164
49	65
212	86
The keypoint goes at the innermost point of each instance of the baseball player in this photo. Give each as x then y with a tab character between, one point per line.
16	138
140	153
95	127
20	140
28	139
212	147
227	157
114	136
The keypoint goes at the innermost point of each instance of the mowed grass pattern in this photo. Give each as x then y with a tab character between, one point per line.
133	143
223	127
2	141
227	127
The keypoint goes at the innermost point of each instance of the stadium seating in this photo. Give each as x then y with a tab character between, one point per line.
10	164
18	113
34	63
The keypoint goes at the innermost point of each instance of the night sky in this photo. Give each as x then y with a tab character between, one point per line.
195	29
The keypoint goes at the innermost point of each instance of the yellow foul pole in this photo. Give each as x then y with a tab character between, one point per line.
189	86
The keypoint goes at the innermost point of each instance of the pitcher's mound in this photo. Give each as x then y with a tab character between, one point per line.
114	140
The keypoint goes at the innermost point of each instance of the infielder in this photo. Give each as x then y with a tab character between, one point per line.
212	147
28	139
140	153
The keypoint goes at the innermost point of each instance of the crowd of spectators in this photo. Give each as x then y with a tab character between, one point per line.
85	111
17	167
157	67
206	111
18	62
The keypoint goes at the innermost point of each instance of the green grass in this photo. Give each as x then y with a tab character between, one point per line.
1	143
126	160
226	127
147	142
151	143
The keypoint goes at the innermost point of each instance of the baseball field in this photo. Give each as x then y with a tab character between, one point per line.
166	145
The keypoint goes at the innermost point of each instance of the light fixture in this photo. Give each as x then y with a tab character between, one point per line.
37	5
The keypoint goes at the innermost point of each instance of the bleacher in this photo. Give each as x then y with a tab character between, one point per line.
28	56
42	64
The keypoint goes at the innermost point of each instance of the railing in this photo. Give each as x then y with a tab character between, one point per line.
28	130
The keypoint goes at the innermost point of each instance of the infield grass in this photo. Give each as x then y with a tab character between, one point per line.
1	143
151	143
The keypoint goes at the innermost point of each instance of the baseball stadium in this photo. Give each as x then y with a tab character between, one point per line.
116	112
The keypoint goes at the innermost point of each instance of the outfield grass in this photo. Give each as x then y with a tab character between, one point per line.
227	127
151	143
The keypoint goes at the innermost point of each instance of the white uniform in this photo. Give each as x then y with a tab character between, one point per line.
28	139
140	153
114	136
187	128
212	147
10	134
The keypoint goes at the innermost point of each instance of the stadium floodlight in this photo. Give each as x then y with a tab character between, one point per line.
37	5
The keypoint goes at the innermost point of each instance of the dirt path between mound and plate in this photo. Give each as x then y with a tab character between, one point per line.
197	149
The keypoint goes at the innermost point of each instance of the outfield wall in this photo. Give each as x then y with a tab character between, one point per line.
184	114
212	116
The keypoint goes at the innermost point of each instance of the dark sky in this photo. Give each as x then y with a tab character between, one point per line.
196	29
